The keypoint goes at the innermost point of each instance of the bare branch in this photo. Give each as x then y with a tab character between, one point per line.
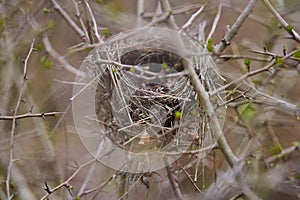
165	4
13	128
69	20
30	115
235	27
286	26
192	18
67	182
174	184
283	153
60	58
95	26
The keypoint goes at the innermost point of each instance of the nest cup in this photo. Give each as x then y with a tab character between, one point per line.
142	114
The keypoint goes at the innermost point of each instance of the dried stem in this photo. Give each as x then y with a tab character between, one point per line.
30	115
13	128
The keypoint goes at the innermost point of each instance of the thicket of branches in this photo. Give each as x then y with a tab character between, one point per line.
255	45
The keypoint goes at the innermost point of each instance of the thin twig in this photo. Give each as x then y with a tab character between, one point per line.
192	18
165	4
235	27
60	58
286	26
29	115
173	182
78	14
216	21
13	129
282	154
67	181
251	73
190	179
140	12
95	26
69	20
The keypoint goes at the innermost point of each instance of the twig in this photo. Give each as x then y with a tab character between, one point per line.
140	12
190	179
173	182
13	129
91	14
235	27
66	182
175	11
216	21
29	115
251	73
60	58
165	4
69	20
192	18
78	14
283	153
204	101
286	26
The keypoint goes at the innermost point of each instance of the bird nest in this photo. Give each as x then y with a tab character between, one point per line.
141	99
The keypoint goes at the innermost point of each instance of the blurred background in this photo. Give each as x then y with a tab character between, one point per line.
263	133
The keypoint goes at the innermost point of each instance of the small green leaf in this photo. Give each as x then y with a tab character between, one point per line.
132	70
50	25
164	65
99	1
297	54
276	150
46	10
46	63
105	32
177	114
279	60
295	144
114	69
255	82
247	62
39	46
78	198
210	46
247	111
289	28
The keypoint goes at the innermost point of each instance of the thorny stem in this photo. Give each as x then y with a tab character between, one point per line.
13	128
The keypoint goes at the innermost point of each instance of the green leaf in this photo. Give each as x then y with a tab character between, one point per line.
46	63
279	60
247	111
297	54
210	46
276	150
177	114
132	70
255	82
39	46
289	28
46	10
50	25
247	62
105	32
